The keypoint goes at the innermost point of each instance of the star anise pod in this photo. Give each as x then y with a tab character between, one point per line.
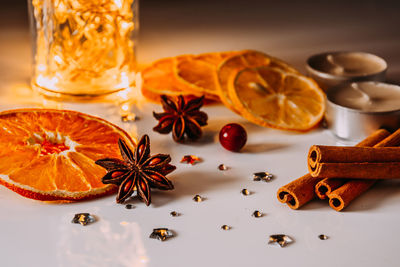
181	117
138	171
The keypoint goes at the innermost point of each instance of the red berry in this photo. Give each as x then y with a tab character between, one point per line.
233	137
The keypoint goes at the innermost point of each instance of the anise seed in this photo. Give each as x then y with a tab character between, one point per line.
140	149
127	186
116	174
154	161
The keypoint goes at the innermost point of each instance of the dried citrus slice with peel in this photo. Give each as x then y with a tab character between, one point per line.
159	79
215	58
275	98
49	154
198	73
247	59
199	76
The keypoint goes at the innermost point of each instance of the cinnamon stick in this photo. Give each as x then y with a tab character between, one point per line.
300	191
338	154
363	170
354	162
324	187
344	195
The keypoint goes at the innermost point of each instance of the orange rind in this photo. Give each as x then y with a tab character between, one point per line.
49	154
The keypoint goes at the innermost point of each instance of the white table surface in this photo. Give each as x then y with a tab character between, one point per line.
365	234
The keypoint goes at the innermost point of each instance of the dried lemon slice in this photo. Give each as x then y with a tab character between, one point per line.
276	98
246	59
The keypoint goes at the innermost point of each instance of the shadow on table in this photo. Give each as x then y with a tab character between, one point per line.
316	204
263	147
188	184
383	193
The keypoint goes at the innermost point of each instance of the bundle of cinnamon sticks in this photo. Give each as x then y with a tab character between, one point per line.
341	174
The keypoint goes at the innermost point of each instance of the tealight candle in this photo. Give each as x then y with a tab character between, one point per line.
355	110
332	68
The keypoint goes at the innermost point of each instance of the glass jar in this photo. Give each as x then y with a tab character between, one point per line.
83	48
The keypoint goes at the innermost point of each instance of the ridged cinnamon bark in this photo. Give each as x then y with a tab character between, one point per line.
362	170
354	162
337	154
300	191
344	195
324	187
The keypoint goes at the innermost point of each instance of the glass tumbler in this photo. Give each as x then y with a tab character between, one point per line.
83	48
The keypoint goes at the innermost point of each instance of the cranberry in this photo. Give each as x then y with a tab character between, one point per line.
233	137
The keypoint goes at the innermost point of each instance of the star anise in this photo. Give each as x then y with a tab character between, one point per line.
181	118
138	171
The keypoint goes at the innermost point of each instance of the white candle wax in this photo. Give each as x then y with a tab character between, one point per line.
350	64
333	68
367	96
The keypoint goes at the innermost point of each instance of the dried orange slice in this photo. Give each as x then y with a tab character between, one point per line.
49	154
198	73
275	98
159	79
199	76
247	59
215	58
